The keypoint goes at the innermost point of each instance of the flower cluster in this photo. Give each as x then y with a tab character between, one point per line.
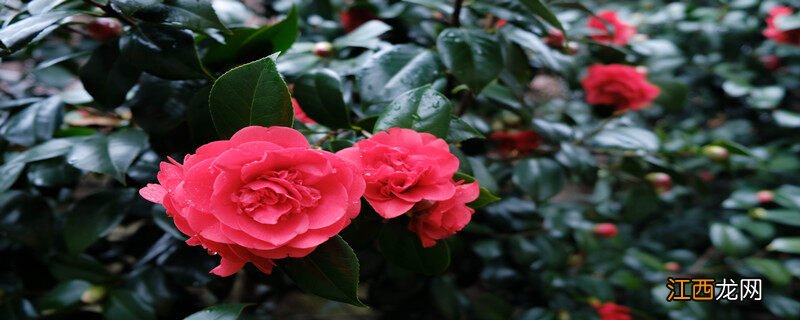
265	194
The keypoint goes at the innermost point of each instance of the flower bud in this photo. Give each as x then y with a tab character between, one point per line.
716	153
765	196
323	49
93	294
605	230
104	29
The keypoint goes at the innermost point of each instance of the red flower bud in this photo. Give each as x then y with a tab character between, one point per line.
104	29
323	49
765	196
605	230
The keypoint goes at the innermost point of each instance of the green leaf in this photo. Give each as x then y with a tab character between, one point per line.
422	109
111	155
673	94
540	178
18	34
9	172
788	196
37	122
124	304
163	52
197	15
543	12
36	7
330	271
729	239
553	131
395	70
65	294
626	138
93	217
772	269
52	173
403	248
787	217
787	245
319	93
472	56
766	97
219	312
107	76
786	119
491	307
251	94
782	306
485	198
365	36
459	130
249	44
66	267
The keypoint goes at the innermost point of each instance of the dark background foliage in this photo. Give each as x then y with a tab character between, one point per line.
85	118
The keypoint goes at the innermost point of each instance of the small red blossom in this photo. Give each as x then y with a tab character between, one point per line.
355	17
605	230
623	87
555	39
509	144
500	23
765	196
104	29
770	62
772	31
613	311
620	33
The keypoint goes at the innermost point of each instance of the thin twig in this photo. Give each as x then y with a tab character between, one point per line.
455	18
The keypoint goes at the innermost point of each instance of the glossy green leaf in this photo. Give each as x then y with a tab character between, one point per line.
16	35
787	245
65	294
403	248
111	155
93	217
788	196
787	217
543	12
107	76
124	304
626	138
365	36
422	109
251	94
782	306
539	178
197	15
36	122
219	312
395	70
772	269
330	271
163	52
472	56
249	44
319	94
729	239
459	130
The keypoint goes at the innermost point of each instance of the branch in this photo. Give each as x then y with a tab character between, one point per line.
455	18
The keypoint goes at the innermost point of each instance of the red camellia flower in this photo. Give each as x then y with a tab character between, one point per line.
403	167
262	195
620	34
500	23
605	230
299	114
619	86
613	311
555	38
781	36
510	144
355	17
433	221
104	29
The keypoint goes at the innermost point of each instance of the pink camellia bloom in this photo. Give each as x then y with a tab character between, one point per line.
403	167
433	221
262	195
613	311
781	36
620	86
620	34
299	114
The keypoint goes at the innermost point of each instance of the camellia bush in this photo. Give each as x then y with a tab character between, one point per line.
388	159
